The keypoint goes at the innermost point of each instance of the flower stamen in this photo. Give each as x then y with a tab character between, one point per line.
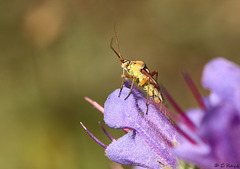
100	108
180	131
105	131
95	104
187	121
93	137
194	90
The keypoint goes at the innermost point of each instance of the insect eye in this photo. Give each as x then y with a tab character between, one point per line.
127	62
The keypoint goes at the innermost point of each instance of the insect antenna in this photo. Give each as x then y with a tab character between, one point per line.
111	46
115	32
120	57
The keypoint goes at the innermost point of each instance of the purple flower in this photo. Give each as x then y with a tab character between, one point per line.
207	136
152	137
218	126
150	142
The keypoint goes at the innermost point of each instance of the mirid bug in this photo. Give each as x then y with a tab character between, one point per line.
138	71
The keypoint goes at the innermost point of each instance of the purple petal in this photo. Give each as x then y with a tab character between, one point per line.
220	130
155	129
121	113
222	77
197	154
200	153
131	150
195	115
223	136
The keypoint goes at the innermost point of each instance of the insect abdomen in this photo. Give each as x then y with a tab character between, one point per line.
153	92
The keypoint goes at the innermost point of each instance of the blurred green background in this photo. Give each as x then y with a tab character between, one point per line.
54	52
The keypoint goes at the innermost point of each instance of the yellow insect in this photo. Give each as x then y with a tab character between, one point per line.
138	71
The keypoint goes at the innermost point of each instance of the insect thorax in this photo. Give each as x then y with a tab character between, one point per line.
125	65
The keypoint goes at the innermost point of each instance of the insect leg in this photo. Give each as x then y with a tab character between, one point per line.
143	81
123	76
134	79
147	94
123	80
155	73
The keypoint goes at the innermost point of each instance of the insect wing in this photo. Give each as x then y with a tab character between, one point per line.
152	80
